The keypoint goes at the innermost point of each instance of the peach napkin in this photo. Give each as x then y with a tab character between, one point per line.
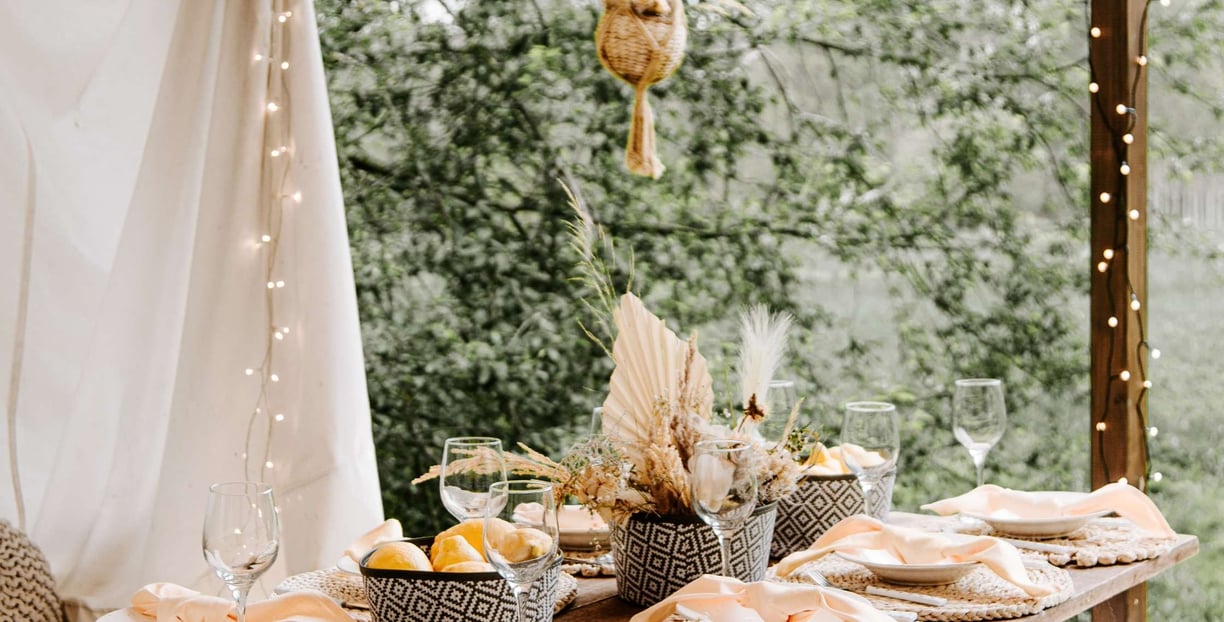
167	602
832	460
723	599
990	500
911	546
389	530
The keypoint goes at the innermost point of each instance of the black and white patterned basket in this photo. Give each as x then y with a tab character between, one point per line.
415	596
820	502
657	555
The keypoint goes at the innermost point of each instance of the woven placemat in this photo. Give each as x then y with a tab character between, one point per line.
349	589
979	595
1102	542
588	564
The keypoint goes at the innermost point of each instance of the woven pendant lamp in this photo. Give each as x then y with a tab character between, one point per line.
642	42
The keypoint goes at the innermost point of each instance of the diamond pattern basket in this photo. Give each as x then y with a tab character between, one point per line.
657	555
820	502
415	596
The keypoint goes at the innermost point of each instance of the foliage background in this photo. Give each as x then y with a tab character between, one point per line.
908	179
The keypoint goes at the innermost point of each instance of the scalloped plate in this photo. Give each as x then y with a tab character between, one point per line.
912	574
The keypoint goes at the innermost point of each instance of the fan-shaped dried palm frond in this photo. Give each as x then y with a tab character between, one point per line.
657	376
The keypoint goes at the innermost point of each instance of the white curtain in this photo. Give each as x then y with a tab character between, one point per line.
135	179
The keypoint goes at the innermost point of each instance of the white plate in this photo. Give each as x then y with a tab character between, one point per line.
346	564
1052	527
912	574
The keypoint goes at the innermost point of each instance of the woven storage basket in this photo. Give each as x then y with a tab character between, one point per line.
642	42
415	596
27	591
657	555
820	502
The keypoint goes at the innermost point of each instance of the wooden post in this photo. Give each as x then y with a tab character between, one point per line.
1119	261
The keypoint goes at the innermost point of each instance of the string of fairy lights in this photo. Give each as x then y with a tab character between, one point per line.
1120	120
277	195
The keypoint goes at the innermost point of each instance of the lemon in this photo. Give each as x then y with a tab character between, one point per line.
453	550
468	567
399	556
521	545
472	530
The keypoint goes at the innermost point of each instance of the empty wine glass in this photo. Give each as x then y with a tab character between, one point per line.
470	465
525	553
871	440
780	399
979	417
723	489
241	535
597	421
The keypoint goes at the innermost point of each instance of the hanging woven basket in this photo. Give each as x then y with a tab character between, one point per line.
642	42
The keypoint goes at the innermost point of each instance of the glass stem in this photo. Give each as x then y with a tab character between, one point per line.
724	549
240	592
979	463
869	486
520	600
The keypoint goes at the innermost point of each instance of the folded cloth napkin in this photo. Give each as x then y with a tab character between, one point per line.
167	602
832	460
911	546
723	599
389	530
990	500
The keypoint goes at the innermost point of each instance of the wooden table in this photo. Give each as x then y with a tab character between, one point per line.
597	600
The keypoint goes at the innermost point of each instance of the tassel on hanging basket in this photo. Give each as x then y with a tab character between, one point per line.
642	42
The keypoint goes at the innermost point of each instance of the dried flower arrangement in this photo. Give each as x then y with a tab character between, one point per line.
660	404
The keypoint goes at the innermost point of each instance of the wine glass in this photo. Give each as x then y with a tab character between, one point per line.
524	553
241	535
597	422
780	400
979	417
723	488
470	465
871	440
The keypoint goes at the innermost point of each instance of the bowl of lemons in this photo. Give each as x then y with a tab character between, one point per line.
447	578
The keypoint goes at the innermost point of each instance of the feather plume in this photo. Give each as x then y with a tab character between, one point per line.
657	376
762	345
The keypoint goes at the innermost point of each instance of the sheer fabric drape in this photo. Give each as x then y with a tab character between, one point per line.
132	290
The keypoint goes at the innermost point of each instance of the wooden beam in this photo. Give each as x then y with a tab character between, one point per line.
1119	260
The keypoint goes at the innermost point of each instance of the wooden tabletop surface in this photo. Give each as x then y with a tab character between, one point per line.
597	600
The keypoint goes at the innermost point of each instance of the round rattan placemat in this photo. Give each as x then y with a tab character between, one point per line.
979	595
1102	542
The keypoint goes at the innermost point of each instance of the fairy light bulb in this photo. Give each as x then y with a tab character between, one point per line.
282	18
1134	214
273	107
271	284
1155	353
275	153
1157	476
1124	375
258	57
1147	384
1125	169
1108	254
1100	426
1105	197
1128	138
297	197
1134	304
279	335
274	378
1093	87
285	329
1141	61
1153	431
1095	32
285	65
279	417
1121	108
265	238
1102	266
280	284
268	464
1112	321
250	372
1123	480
